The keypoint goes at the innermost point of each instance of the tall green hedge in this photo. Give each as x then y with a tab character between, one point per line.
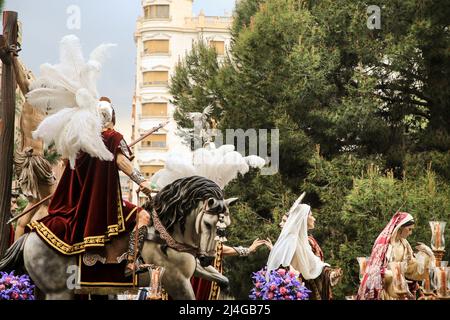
352	199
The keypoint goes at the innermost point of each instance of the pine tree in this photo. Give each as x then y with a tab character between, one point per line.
369	98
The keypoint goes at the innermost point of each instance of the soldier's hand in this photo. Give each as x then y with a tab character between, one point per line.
257	243
146	188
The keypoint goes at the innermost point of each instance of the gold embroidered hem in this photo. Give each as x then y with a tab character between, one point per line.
76	248
65	248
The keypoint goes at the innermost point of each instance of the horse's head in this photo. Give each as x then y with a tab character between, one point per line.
195	213
210	225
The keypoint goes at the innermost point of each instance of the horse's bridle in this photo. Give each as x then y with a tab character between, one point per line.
181	247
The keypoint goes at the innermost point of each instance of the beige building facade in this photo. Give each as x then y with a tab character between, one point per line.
164	34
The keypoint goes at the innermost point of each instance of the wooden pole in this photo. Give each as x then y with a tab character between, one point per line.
7	113
21	78
145	135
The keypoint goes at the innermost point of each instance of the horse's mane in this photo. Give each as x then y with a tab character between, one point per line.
176	200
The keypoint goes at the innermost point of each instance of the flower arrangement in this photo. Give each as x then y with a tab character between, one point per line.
281	285
15	287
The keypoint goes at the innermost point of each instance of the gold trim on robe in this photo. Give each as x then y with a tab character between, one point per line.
92	241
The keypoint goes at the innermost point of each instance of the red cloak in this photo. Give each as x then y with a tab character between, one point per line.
205	289
87	207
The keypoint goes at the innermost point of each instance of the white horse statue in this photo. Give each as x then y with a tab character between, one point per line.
192	212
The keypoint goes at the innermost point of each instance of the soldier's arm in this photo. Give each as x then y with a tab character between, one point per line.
125	165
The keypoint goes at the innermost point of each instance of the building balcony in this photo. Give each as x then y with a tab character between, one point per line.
158	19
155	84
144	22
152	117
208	22
150	148
156	54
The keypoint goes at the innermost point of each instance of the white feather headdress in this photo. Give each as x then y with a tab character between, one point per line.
220	165
67	93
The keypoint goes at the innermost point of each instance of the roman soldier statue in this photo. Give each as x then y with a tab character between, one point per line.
87	209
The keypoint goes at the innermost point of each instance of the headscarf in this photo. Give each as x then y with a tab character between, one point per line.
372	282
292	246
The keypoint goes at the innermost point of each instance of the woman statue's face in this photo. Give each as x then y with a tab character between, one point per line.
311	221
283	221
405	232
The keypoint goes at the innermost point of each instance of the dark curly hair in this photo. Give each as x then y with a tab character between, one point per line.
176	200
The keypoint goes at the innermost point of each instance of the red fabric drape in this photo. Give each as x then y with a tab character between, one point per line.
11	235
377	263
202	288
317	250
87	207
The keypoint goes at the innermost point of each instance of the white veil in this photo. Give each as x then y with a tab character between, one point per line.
292	246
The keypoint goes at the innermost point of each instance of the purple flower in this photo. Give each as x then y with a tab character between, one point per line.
280	285
15	287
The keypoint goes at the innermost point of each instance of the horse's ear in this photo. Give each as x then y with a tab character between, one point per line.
230	201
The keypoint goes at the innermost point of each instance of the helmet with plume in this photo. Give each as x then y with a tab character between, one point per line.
67	93
106	111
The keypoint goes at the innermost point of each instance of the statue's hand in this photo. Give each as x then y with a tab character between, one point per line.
425	249
145	188
335	276
257	243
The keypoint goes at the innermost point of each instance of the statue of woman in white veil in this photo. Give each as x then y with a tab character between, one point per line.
296	250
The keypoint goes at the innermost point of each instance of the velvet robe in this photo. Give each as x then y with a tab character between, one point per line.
87	208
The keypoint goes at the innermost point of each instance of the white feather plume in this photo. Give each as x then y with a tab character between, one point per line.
255	161
70	56
68	93
45	98
220	165
101	53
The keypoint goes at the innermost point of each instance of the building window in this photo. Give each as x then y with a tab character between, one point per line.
219	46
155	141
150	170
156	78
158	109
157	11
156	47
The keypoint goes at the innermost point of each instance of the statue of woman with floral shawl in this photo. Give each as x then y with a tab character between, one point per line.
392	246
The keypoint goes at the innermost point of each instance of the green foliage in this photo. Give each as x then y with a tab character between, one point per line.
375	101
246	227
243	13
353	199
439	162
51	155
22	202
372	202
195	84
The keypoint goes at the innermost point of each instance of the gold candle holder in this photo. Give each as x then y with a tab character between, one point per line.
438	255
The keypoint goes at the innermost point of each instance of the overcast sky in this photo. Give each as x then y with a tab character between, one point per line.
45	23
